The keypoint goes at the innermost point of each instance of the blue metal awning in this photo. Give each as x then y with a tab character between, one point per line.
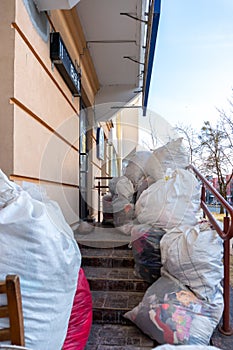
151	42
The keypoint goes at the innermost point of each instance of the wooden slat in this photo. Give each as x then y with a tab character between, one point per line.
2	288
15	309
4	311
5	334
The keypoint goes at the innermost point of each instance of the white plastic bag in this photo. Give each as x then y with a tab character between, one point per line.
38	245
170	313
193	254
135	170
171	201
121	187
172	155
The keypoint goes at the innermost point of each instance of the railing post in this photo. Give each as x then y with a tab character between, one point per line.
203	196
226	327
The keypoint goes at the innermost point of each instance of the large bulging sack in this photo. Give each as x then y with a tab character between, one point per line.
135	170
117	207
142	185
38	245
170	313
193	254
117	211
123	216
173	155
171	201
121	187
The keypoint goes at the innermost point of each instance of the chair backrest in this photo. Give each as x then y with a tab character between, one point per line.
13	311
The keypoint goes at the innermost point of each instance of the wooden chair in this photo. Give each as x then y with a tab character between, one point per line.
13	311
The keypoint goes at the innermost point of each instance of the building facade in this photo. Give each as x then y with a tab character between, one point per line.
53	131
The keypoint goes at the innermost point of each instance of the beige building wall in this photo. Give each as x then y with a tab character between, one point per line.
39	117
129	121
7	10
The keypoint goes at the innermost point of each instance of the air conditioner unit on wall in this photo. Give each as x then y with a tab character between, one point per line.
44	5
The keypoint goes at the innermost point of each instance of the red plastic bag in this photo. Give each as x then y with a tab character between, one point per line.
81	316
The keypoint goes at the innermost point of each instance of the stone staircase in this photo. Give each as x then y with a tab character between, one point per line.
115	290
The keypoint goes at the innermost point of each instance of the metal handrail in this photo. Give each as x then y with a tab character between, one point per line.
99	187
226	233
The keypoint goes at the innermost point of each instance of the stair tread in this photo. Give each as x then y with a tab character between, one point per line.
116	300
115	290
110	273
117	337
102	237
107	253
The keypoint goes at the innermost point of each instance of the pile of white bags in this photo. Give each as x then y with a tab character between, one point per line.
185	304
38	245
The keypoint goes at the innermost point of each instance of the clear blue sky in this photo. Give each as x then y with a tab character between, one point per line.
193	67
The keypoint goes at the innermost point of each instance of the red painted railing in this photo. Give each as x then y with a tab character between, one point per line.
226	233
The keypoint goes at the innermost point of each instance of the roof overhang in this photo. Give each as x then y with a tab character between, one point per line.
121	38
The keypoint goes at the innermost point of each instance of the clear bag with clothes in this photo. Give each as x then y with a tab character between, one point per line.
170	313
146	251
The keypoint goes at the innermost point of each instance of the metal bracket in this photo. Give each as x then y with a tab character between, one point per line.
133	17
132	59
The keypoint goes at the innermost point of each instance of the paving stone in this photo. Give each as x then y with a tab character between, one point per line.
116	300
221	341
116	337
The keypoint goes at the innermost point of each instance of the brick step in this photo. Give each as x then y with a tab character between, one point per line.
109	307
114	279
107	257
118	337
